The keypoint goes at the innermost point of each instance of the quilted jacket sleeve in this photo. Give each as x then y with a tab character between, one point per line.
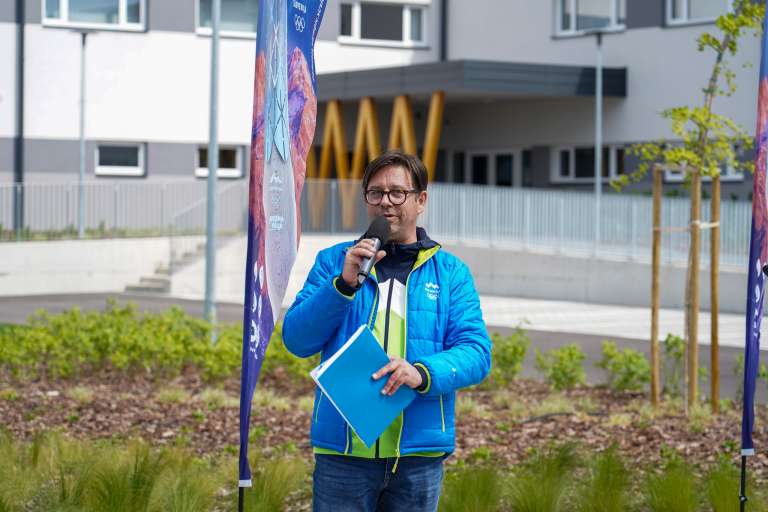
467	358
318	310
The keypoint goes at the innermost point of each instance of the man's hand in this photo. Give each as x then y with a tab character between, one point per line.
354	258
402	372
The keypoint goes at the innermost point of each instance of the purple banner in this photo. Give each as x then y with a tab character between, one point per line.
758	258
284	116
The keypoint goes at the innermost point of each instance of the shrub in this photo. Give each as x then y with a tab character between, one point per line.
606	488
673	489
472	489
543	480
508	355
628	369
162	344
273	482
674	353
562	367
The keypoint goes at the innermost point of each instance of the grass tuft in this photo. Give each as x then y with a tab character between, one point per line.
472	489
543	480
606	488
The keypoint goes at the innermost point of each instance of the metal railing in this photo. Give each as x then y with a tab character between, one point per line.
528	219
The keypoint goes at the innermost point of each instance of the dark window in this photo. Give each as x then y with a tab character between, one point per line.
527	161
227	158
592	14
480	169
565	9
440	171
458	167
504	167
346	19
565	163
236	15
381	21
620	155
584	163
119	156
52	9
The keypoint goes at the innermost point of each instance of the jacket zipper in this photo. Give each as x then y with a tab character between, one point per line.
386	333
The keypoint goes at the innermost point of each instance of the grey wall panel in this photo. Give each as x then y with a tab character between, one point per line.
33	11
171	15
6	154
645	13
329	28
57	157
8	11
171	159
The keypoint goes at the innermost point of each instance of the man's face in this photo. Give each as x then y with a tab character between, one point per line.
402	218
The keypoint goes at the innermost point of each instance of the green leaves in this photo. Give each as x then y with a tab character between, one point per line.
563	367
628	369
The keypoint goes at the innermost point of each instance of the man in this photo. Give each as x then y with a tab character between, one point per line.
422	306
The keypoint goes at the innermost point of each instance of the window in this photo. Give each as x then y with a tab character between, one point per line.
238	17
574	17
119	160
577	164
99	14
230	162
692	11
390	23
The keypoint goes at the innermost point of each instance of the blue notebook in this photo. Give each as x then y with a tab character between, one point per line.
346	380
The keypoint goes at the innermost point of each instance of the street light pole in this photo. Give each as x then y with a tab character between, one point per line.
598	136
81	175
213	168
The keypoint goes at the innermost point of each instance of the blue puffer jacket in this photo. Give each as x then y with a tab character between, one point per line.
444	331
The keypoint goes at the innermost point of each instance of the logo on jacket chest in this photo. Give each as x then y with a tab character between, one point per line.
432	290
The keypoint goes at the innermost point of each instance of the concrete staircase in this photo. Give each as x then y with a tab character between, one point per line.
160	281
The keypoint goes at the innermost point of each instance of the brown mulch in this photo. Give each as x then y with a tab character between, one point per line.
128	406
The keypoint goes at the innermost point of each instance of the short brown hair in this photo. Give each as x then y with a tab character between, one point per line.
411	163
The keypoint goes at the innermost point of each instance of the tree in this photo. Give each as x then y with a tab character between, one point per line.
707	141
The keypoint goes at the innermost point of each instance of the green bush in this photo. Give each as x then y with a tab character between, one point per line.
543	480
472	489
673	367
562	367
628	369
673	489
161	344
606	488
508	355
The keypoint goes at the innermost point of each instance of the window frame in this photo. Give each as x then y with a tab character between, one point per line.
139	171
406	5
613	26
686	20
222	172
208	31
554	168
122	26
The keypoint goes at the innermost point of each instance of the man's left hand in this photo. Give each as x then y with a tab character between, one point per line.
402	372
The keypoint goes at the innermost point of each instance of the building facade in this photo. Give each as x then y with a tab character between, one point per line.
517	77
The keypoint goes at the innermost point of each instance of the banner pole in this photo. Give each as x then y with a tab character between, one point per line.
743	487
240	496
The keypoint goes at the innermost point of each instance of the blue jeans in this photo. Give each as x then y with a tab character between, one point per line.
353	484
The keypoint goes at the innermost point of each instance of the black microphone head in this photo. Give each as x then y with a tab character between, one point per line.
380	229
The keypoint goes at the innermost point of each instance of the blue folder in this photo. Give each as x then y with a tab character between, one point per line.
346	379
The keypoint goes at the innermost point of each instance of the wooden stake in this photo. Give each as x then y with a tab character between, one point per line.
693	299
655	288
714	273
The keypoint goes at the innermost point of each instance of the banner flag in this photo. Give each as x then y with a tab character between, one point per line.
284	116
758	257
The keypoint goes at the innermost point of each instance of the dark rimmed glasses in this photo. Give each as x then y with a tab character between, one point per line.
397	197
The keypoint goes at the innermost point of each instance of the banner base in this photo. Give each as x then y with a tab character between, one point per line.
245	483
747	452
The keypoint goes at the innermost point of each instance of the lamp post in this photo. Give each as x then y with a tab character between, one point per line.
598	33
81	174
209	309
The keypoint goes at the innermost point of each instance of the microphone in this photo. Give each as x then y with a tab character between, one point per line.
379	232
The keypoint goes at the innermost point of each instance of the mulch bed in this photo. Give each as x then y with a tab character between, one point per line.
128	406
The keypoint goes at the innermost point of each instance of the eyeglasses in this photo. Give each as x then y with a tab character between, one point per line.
396	197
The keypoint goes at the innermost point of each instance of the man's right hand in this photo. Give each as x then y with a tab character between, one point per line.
354	259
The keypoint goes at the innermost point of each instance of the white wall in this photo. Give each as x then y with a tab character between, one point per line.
7	81
146	86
